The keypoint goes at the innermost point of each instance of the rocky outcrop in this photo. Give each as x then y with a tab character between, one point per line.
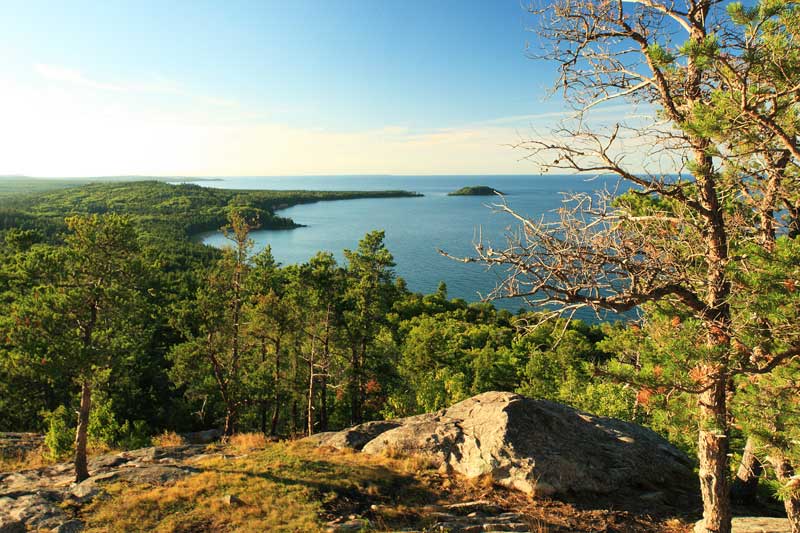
207	436
36	499
536	446
355	437
17	444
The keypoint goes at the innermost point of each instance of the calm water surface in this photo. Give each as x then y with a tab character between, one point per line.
415	227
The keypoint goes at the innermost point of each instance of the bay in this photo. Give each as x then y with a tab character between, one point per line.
415	227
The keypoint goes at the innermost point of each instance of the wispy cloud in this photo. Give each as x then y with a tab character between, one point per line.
157	85
600	112
74	77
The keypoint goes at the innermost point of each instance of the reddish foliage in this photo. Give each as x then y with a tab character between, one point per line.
643	396
699	373
372	386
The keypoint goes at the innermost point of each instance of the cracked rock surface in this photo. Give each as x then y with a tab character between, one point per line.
36	499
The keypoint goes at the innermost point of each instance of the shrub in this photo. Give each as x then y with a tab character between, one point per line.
134	435
168	438
60	433
247	442
104	430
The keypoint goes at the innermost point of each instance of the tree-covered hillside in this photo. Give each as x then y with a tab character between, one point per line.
110	310
181	208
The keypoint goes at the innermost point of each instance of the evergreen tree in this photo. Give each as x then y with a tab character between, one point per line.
368	297
215	351
85	310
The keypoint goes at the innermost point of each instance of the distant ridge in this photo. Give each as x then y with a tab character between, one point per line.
88	179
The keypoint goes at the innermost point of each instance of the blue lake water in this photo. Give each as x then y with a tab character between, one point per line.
415	227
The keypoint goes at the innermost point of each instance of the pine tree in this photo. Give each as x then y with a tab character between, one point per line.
725	118
85	309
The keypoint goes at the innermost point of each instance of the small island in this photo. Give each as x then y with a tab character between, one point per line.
475	190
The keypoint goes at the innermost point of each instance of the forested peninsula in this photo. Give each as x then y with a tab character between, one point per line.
161	207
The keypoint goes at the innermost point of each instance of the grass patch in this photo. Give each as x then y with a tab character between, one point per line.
296	487
282	487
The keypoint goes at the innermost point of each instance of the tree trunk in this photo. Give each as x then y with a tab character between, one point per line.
81	463
326	361
296	386
262	405
323	404
310	407
784	472
792	506
276	411
355	388
295	418
745	485
276	414
362	388
230	421
713	434
712	451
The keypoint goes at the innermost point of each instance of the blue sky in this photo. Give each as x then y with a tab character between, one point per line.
269	88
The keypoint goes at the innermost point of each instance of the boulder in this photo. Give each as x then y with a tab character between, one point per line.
355	437
206	436
539	447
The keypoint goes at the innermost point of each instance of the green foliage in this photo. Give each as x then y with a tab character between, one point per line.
103	426
60	435
659	56
134	434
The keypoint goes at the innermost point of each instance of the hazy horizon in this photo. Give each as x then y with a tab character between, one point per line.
273	89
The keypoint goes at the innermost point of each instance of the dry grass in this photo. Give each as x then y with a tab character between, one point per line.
416	464
284	487
99	448
25	459
247	442
168	438
392	452
293	487
39	457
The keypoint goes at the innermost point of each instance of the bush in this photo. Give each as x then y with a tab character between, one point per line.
135	435
104	430
168	438
247	442
60	435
